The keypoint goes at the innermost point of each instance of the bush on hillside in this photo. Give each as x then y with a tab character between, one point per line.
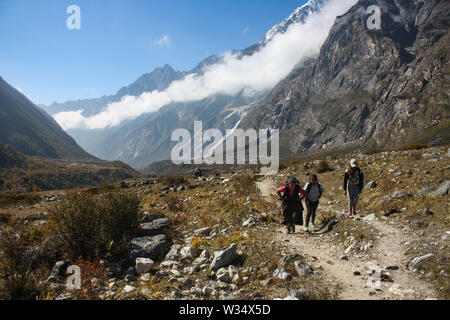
96	225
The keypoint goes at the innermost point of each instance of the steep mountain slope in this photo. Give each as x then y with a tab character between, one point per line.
373	87
30	130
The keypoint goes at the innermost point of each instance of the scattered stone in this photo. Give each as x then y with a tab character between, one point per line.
128	289
153	228
248	223
203	231
280	273
369	218
204	254
64	297
199	261
371	185
399	290
189	252
356	273
155	247
144	265
130	278
349	249
223	275
288	258
209	288
224	258
303	269
172	255
413	263
301	294
443	189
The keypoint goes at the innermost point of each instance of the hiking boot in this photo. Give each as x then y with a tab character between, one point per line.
293	230
313	226
349	212
353	211
306	229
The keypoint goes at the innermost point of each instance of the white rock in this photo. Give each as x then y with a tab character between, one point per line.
128	289
144	265
400	290
189	252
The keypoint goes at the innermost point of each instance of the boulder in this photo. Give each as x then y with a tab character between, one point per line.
203	231
223	275
280	273
443	189
370	217
155	247
172	255
153	228
413	263
189	252
371	185
224	258
303	269
144	265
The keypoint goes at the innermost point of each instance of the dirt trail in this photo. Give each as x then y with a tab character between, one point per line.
387	251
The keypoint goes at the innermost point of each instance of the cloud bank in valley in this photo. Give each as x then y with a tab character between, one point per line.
256	73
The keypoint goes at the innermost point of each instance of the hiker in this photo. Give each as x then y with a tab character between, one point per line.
292	203
314	192
353	185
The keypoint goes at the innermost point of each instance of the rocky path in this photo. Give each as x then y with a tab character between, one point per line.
388	254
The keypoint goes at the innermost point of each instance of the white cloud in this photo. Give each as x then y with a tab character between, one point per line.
259	72
164	41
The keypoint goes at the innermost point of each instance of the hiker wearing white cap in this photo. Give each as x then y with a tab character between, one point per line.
353	185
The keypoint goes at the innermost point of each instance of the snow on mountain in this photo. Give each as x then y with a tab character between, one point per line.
299	15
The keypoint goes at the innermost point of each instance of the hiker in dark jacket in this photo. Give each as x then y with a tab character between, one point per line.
292	203
313	194
353	185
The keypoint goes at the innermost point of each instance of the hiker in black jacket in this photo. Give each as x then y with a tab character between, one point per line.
314	192
292	203
353	185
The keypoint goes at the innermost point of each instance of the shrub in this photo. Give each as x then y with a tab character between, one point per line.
5	217
415	146
244	184
17	279
322	166
174	203
94	225
93	279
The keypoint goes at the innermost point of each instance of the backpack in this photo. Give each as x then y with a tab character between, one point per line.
308	189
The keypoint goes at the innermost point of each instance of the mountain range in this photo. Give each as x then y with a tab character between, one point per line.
365	89
147	138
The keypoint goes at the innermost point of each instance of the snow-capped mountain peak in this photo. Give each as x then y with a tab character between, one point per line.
299	15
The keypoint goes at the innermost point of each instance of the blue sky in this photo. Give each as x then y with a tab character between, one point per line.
120	40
